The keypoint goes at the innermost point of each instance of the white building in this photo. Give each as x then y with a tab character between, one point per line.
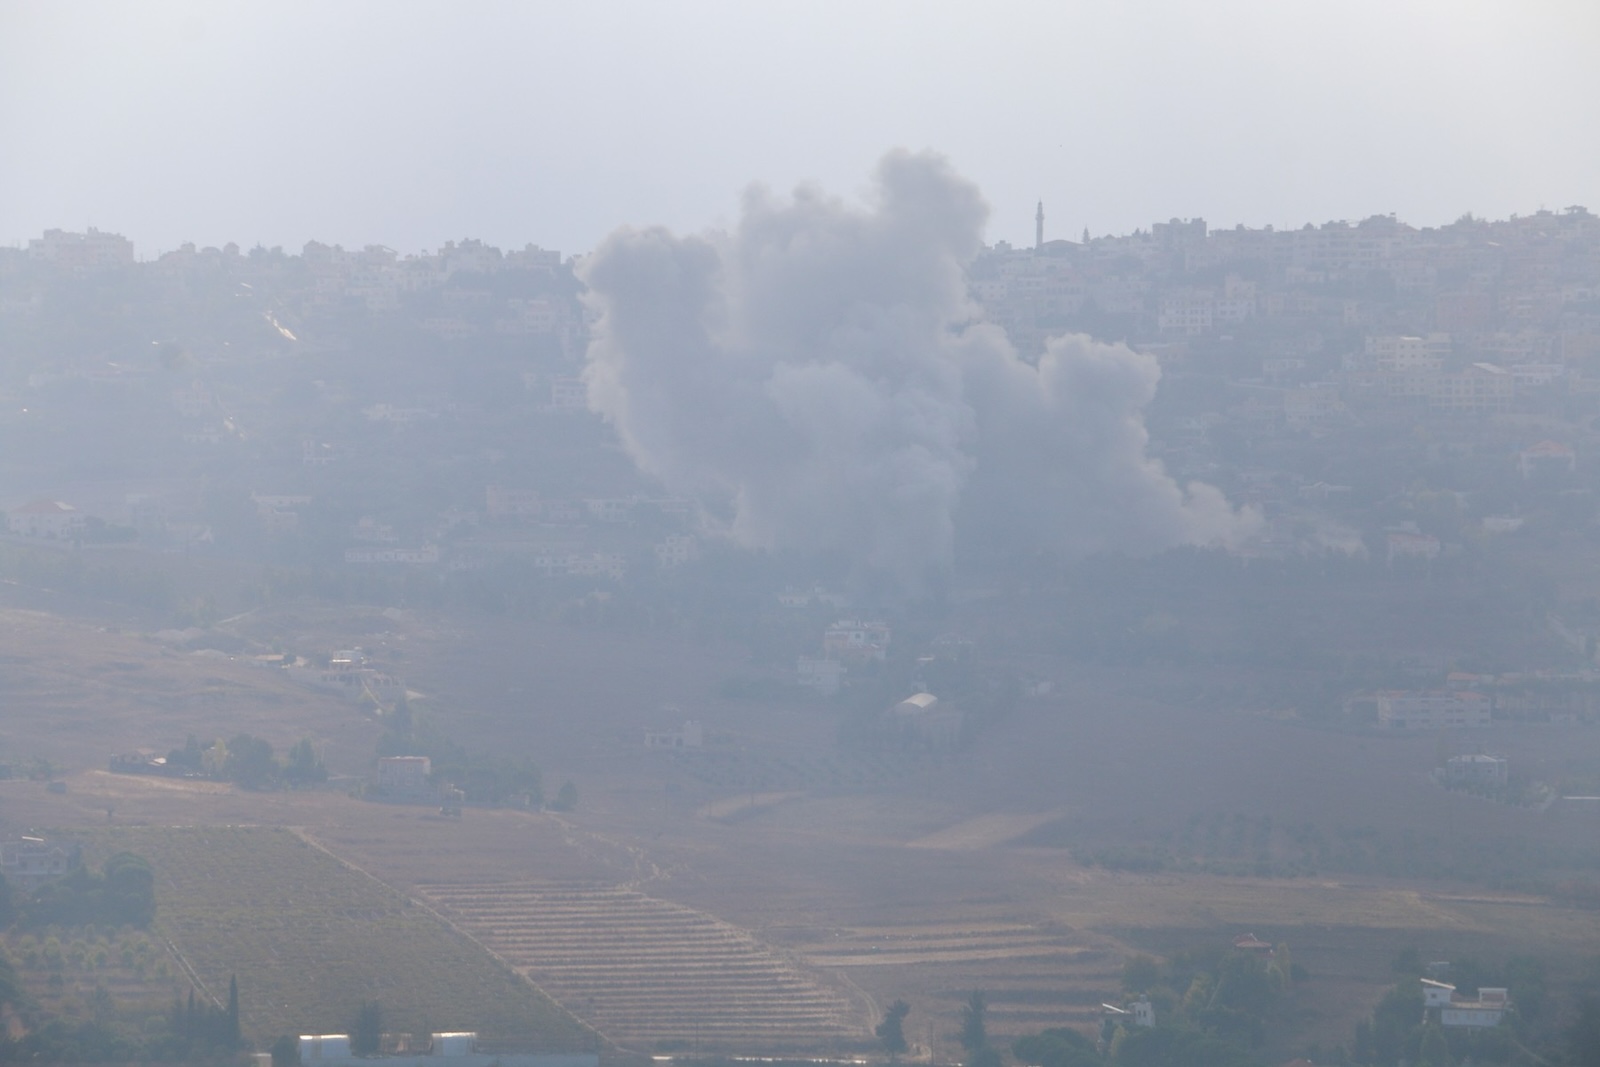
1432	710
1407	544
1404	354
676	550
1477	770
822	675
404	775
855	639
569	394
1488	1009
81	251
423	556
29	862
1312	406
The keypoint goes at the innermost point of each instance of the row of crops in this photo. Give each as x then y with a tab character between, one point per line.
651	974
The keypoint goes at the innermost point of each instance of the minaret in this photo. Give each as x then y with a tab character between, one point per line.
1038	228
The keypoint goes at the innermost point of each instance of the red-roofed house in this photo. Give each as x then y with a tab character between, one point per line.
45	518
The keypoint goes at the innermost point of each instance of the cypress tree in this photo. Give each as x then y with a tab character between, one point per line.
233	1010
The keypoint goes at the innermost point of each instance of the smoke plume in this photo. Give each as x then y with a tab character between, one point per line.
820	380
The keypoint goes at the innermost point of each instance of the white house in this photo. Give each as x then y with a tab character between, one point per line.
1488	1009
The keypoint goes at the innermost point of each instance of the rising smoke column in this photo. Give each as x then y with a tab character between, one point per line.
817	378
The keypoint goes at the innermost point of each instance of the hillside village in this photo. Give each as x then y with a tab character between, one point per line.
1376	391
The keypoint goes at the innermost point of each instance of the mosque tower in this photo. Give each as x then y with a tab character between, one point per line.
1038	228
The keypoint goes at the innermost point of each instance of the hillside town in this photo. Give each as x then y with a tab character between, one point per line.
1372	390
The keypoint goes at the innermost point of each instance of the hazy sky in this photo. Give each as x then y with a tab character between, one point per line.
408	124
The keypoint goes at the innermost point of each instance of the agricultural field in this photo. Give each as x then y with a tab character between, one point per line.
650	974
111	975
1029	865
311	939
79	692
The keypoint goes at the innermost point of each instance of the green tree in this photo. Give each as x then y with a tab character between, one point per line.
1583	1037
1056	1048
566	797
1141	974
302	766
286	1052
1394	1019
974	1028
366	1036
891	1031
250	762
130	891
231	1022
1434	1052
10	986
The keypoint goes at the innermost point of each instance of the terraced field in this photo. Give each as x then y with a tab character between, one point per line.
1032	976
651	974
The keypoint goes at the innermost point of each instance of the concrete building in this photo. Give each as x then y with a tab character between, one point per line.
1409	544
404	776
1487	1009
852	639
690	735
822	675
81	251
30	861
1477	770
1432	710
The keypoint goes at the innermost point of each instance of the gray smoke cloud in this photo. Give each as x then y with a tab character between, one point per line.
820	380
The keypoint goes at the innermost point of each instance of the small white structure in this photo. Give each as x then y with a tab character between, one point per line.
1140	1013
1436	994
454	1043
922	715
690	735
314	1047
